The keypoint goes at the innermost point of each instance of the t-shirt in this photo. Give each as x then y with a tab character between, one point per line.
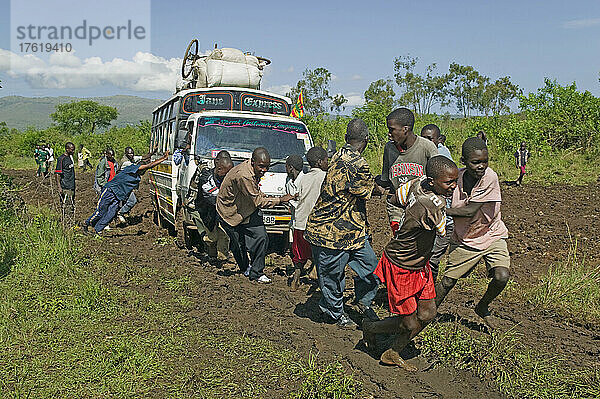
408	165
390	153
113	171
309	190
424	217
522	157
206	200
291	188
486	226
125	182
41	155
443	150
66	169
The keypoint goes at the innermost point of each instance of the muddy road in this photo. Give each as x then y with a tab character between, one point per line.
541	221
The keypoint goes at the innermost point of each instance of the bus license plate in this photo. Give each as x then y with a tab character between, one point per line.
268	219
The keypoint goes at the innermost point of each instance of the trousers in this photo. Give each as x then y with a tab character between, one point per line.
249	239
217	241
106	210
331	267
130	203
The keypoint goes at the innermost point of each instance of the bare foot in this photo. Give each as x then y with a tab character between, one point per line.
368	336
295	280
391	358
489	320
313	273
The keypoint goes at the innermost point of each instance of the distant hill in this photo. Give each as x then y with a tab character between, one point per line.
21	112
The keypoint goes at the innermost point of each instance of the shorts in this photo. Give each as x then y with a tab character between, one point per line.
462	259
405	287
522	169
301	250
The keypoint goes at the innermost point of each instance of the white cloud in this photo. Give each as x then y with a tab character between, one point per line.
281	89
354	100
581	23
333	76
290	69
144	72
356	77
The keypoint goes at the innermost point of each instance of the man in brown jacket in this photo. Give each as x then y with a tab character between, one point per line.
238	204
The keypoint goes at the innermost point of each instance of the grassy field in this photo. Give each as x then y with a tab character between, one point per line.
516	370
563	167
65	332
18	163
570	289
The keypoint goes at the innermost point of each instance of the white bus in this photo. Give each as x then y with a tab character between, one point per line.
222	118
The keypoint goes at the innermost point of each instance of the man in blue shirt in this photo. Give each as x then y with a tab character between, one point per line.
116	192
432	133
442	149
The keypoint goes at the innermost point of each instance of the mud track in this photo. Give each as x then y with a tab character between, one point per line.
539	220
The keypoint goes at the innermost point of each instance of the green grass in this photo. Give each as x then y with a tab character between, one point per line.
517	371
570	288
571	167
17	163
561	167
67	330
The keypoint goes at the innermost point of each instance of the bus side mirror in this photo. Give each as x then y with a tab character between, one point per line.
331	148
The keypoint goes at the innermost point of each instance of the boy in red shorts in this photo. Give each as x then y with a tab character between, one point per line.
404	265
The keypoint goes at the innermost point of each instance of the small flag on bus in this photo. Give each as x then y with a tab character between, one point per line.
298	109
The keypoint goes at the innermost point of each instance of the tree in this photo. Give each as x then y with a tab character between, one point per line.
564	116
315	90
337	103
379	101
421	92
83	116
4	130
467	86
381	92
496	97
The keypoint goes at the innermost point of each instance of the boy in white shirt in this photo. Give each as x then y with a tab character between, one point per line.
309	189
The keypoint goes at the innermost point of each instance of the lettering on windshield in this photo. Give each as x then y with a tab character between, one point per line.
230	122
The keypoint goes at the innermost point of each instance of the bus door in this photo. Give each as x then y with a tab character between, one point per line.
187	167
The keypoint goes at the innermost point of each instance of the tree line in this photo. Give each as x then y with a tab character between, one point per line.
465	87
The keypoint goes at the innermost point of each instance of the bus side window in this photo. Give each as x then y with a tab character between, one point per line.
165	138
187	137
160	140
172	136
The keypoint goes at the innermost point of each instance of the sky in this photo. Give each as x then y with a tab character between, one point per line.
357	41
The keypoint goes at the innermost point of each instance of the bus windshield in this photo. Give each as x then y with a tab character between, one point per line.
280	138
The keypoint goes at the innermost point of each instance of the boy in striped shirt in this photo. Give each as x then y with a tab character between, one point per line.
404	265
